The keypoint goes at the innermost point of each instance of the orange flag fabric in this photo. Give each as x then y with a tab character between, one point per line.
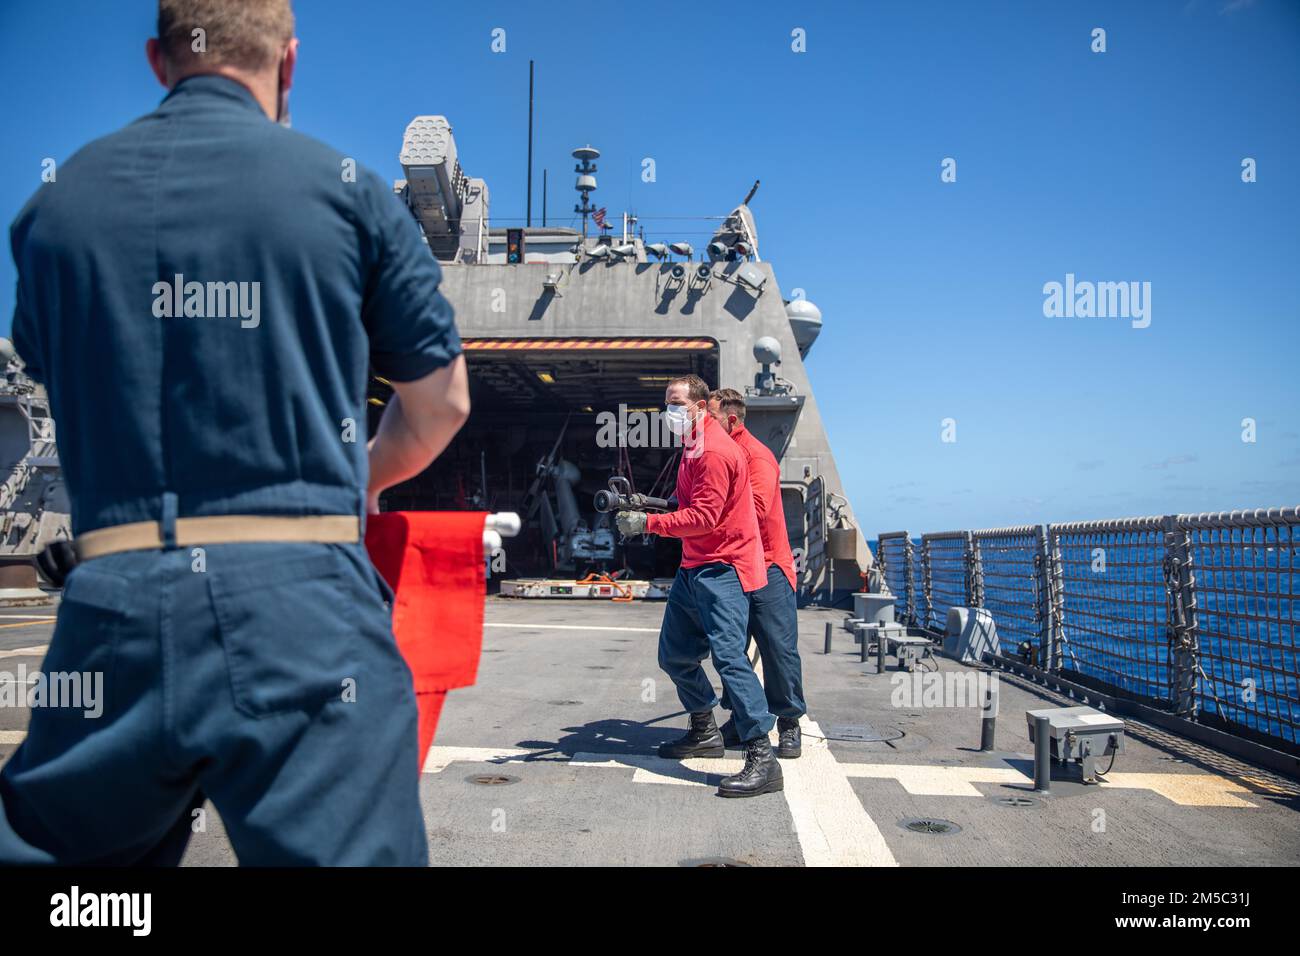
434	562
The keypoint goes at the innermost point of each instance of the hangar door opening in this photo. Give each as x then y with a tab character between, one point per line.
552	420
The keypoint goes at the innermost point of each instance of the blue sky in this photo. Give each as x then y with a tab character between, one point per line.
1115	166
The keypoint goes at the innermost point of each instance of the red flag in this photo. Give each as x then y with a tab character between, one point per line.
433	561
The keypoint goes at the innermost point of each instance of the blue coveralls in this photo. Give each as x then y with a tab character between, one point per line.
774	626
707	615
263	676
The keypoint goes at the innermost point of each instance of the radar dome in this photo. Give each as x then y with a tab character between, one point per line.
767	350
805	322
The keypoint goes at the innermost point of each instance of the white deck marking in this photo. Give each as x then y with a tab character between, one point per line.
937	781
571	627
28	617
694	772
1184	789
36	650
440	757
833	827
831	824
930	780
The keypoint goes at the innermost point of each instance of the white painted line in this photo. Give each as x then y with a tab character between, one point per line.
831	824
929	780
439	757
833	827
1184	789
28	617
572	627
12	736
694	772
937	781
36	650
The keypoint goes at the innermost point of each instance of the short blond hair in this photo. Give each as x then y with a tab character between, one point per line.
247	34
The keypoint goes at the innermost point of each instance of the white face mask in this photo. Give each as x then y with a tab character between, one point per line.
676	418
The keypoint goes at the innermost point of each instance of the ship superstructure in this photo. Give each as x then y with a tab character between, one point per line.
571	337
34	507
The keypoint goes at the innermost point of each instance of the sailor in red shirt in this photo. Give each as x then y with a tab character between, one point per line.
708	606
773	614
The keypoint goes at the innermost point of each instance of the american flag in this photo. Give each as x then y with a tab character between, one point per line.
599	216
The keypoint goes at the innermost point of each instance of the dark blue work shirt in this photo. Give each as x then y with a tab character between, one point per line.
233	386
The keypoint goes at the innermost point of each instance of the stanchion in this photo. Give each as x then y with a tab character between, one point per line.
988	724
1042	755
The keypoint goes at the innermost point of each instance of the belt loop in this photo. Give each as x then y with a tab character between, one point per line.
169	507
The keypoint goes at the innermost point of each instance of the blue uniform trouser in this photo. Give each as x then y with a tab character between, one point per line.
774	626
708	613
264	677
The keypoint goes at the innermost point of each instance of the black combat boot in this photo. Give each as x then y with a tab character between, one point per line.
702	740
790	742
730	735
762	773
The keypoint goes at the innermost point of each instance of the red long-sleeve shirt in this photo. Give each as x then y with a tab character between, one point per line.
715	507
765	480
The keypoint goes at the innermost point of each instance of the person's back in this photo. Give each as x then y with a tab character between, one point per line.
765	481
193	301
202	294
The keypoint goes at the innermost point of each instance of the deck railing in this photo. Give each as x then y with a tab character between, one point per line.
1194	615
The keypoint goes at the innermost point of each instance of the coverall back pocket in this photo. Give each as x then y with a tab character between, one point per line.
78	667
289	633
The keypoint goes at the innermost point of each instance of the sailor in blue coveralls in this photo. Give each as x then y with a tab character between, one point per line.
201	293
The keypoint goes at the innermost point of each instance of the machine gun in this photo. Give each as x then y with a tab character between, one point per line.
619	497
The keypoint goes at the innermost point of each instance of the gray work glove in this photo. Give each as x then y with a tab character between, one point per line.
631	523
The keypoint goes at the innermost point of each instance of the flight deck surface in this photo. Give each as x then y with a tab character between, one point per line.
550	760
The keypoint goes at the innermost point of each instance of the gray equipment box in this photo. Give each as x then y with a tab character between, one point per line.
970	634
910	649
1081	734
870	632
873	607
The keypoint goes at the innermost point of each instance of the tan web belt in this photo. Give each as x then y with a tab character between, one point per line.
219	529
